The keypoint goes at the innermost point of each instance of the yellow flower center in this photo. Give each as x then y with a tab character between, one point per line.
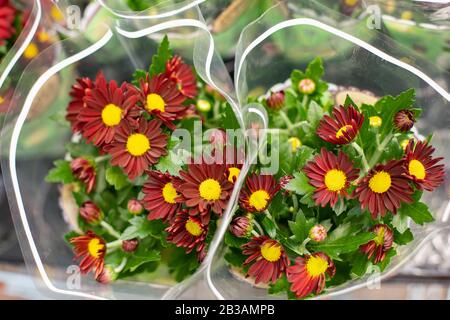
417	169
351	3
94	247
271	251
31	51
375	121
335	180
341	131
2	99
404	144
56	13
407	15
43	36
316	266
380	182
138	144
233	174
379	239
210	189
203	105
155	102
111	115
259	199
295	143
193	228
169	193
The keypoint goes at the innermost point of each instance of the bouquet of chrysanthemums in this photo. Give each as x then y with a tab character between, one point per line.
144	202
347	192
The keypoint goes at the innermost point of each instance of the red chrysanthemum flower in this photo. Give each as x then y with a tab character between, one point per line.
268	259
384	237
182	74
188	232
79	90
84	171
204	188
258	193
242	226
343	127
331	176
384	189
107	105
91	249
90	213
234	160
421	167
308	274
159	96
136	149
404	120
7	16
160	196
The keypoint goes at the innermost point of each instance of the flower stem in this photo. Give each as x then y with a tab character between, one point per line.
256	234
122	265
114	244
363	156
376	156
295	202
286	119
257	225
110	229
102	158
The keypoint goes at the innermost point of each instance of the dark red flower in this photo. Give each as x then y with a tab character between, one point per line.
242	226
331	176
7	17
160	196
136	149
267	257
182	74
90	212
421	167
91	249
79	90
384	237
384	189
276	100
258	192
308	274
84	171
404	120
107	275
159	96
343	127
204	188
130	245
107	105
188	232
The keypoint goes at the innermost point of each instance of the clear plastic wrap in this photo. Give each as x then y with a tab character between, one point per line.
43	212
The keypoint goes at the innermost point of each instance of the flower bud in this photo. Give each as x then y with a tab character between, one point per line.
295	143
306	86
375	121
203	105
107	275
83	170
285	180
318	233
130	245
276	100
242	226
135	207
90	212
404	120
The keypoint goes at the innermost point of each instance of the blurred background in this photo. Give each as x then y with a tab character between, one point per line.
422	27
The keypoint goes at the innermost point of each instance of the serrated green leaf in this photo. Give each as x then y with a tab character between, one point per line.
234	242
269	226
341	245
314	114
172	163
138	75
141	228
141	256
417	211
159	60
403	238
400	222
359	264
315	69
281	285
235	257
300	184
60	173
115	177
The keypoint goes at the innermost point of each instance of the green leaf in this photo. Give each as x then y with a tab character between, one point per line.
359	264
403	238
69	235
281	285
181	264
235	257
228	119
400	222
81	149
339	207
234	242
141	256
269	226
141	228
417	211
159	60
387	260
300	228
138	75
172	163
300	184
116	177
341	245
60	173
315	113
315	69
